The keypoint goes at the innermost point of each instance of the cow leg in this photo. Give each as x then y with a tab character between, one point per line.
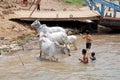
40	51
54	58
40	54
57	59
74	46
51	58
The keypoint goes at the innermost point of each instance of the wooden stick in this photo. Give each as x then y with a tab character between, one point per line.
33	11
31	4
20	60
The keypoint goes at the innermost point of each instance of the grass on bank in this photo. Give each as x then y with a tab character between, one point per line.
74	2
24	40
3	50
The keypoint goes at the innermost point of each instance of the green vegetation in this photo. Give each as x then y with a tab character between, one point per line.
4	50
77	2
22	41
74	2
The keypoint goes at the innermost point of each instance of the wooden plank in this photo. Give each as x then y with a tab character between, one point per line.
58	19
56	15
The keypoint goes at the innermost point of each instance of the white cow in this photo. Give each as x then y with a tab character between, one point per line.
53	33
59	37
51	49
71	40
36	24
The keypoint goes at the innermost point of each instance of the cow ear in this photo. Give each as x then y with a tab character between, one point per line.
38	21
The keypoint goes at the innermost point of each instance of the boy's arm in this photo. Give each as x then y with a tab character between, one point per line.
80	60
85	60
90	57
82	36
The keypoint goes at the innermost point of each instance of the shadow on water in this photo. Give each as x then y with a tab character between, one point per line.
117	31
43	59
106	30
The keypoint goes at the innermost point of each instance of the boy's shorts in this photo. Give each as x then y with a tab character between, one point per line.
88	45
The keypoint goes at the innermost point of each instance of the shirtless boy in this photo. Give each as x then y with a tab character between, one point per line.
85	58
88	39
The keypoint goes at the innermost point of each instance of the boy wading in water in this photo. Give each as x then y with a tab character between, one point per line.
88	39
92	57
85	58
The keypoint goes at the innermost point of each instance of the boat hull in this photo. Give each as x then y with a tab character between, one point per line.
113	23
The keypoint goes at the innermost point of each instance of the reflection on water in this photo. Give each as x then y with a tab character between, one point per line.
106	67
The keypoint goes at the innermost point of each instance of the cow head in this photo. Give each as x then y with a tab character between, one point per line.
66	50
36	24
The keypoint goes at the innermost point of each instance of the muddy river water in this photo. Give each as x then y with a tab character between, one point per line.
26	65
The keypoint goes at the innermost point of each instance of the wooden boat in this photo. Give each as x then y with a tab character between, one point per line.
113	23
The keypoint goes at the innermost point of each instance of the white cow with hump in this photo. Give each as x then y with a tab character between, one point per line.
59	37
53	33
43	28
52	49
